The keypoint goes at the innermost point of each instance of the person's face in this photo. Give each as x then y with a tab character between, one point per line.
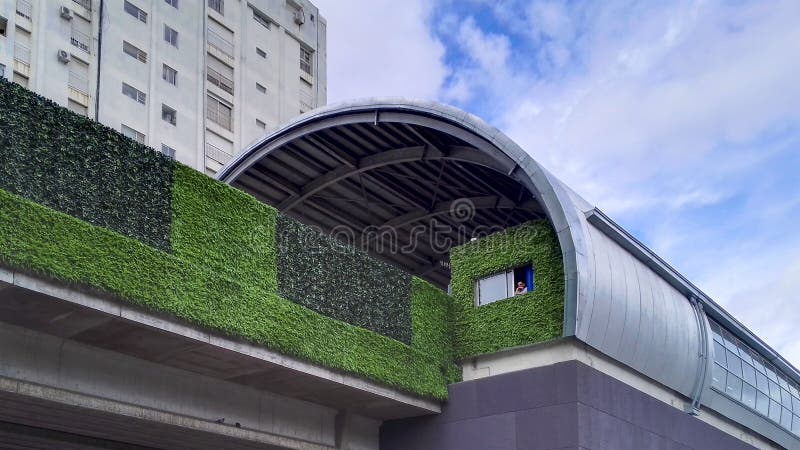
520	284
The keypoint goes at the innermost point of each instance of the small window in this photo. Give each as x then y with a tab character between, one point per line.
133	51
2	70
504	285
168	151
135	11
168	114
134	93
171	36
306	62
219	112
261	124
169	75
133	134
173	3
3	25
261	53
261	88
217	5
261	19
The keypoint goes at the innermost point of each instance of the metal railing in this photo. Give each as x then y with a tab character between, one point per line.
22	53
217	154
81	40
85	3
24	9
219	80
220	43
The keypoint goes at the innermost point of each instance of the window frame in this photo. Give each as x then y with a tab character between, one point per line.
174	4
220	105
135	11
134	52
170	35
168	72
169	114
307	60
217	5
510	281
138	136
168	151
133	93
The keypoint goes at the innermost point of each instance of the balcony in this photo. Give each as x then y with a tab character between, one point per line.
24	15
220	48
219	80
79	88
22	59
217	154
81	40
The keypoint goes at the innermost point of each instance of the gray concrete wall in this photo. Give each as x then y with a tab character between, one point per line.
568	405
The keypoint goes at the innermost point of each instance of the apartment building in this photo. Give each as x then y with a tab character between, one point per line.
195	79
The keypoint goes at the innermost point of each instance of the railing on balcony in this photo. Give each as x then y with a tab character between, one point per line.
22	53
219	80
85	3
220	47
24	9
217	154
81	40
79	82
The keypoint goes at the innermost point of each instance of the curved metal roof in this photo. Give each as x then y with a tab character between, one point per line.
404	164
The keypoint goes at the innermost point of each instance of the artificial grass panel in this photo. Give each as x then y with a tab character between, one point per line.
77	166
432	323
341	281
533	317
222	276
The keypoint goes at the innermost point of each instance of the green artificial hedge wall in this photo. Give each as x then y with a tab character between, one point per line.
77	166
221	273
340	281
533	317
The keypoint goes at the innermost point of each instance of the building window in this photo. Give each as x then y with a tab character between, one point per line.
77	108
260	124
24	9
169	75
739	372
134	51
261	88
133	134
171	36
219	80
85	3
168	151
133	10
168	114
217	5
306	63
134	93
3	26
173	3
2	70
219	112
503	285
261	53
261	19
79	39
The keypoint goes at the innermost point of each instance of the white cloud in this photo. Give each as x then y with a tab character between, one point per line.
381	48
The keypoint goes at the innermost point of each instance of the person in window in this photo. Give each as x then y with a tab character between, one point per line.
521	288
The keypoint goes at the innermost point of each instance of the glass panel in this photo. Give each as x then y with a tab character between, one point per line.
786	398
796	425
786	419
715	332
733	386
774	391
762	403
796	405
758	364
492	288
744	353
749	374
718	378
719	353
783	383
749	395
771	373
775	411
734	364
793	390
762	382
730	342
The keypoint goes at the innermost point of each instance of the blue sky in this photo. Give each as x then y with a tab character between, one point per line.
679	119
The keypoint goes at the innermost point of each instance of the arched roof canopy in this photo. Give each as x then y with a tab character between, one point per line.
404	180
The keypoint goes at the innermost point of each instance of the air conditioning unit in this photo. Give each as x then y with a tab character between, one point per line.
65	12
63	56
300	16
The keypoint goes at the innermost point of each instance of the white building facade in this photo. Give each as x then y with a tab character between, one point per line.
196	79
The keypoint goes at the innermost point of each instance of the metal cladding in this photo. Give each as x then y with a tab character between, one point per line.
620	297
